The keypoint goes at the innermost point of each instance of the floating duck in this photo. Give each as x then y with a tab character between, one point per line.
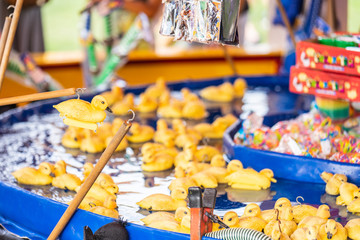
221	93
160	161
332	230
169	107
218	161
64	180
205	180
184	182
205	153
89	202
219	173
79	113
188	96
251	180
32	176
122	107
322	215
147	104
285	218
333	182
354	206
156	90
213	131
271	214
252	218
163	134
116	94
239	87
353	229
162	202
303	210
181	212
140	133
194	110
104	180
91	143
348	191
96	191
234	165
309	233
105	211
72	137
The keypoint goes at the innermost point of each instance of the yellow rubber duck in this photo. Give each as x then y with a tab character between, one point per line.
251	180
79	113
348	191
221	93
163	134
104	180
194	110
231	219
354	206
309	233
96	191
332	230
252	218
333	182
353	229
277	234
160	161
72	137
213	131
322	215
147	104
205	153
162	202
105	211
153	148
184	182
303	210
122	107
63	179
240	86
140	133
205	180
91	143
188	96
271	214
116	94
166	216
169	107
157	89
32	176
185	156
285	218
218	161
89	202
234	165
219	173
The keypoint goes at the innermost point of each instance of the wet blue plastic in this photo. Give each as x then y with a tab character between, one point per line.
298	168
34	216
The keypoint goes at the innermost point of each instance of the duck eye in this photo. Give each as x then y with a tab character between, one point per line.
335	227
280	205
250	210
102	102
230	219
309	232
185	212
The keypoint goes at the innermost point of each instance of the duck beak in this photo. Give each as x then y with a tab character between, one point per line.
108	109
329	235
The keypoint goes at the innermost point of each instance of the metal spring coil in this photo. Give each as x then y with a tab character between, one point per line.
238	234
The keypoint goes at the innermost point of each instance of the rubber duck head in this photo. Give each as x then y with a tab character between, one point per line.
191	169
60	168
239	87
326	176
269	174
179	172
323	211
88	167
234	165
330	228
281	203
286	213
100	103
110	202
179	193
161	125
46	168
252	210
311	233
181	212
231	218
218	161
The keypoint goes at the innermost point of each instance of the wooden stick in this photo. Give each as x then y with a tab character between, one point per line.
10	39
4	34
90	180
286	21
229	59
38	96
331	15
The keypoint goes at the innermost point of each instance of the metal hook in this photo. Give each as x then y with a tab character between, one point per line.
133	116
297	199
11	14
78	90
